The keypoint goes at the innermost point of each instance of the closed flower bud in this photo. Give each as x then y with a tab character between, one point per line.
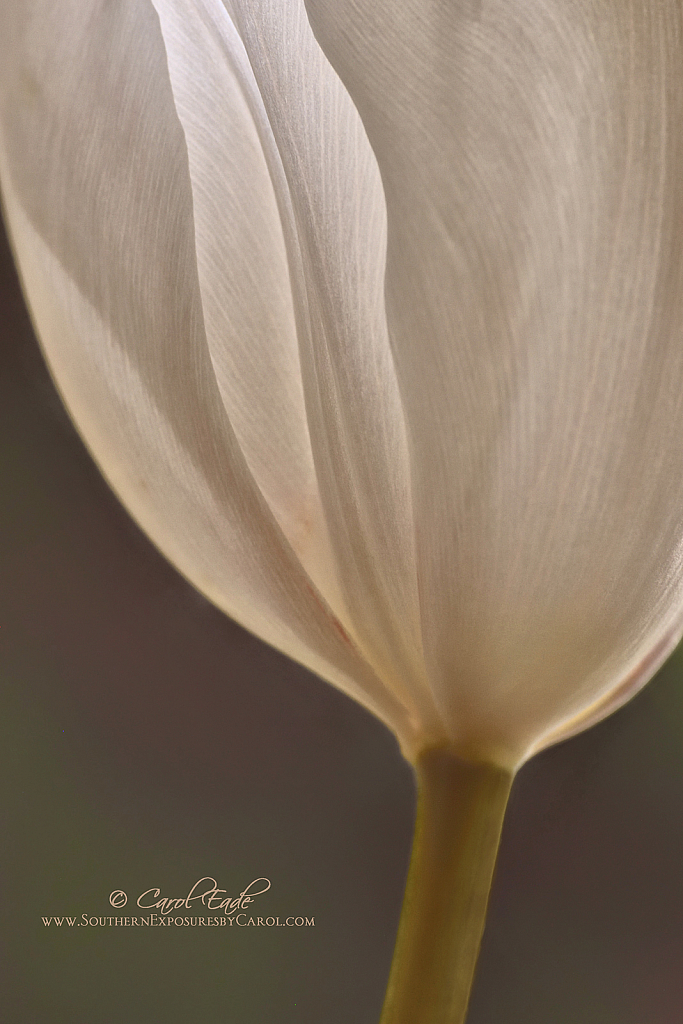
370	313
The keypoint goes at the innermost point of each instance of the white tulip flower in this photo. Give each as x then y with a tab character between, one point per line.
371	313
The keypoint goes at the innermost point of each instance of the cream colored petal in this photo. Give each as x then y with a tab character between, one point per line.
330	203
531	156
97	194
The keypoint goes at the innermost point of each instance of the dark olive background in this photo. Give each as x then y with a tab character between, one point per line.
147	740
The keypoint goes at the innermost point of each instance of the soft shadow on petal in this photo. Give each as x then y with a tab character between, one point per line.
531	156
97	194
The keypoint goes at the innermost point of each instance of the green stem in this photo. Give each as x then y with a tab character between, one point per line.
459	820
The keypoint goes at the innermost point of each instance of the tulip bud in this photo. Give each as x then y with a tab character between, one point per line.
376	333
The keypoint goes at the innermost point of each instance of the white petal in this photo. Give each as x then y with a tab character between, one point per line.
330	203
531	156
97	192
244	279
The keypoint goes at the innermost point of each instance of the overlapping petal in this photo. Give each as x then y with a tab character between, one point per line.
331	207
97	193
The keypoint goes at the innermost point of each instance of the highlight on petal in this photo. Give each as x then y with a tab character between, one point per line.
531	157
97	194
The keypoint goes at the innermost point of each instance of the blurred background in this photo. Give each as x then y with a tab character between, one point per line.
148	741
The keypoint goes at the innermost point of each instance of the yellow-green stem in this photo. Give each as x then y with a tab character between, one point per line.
457	832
